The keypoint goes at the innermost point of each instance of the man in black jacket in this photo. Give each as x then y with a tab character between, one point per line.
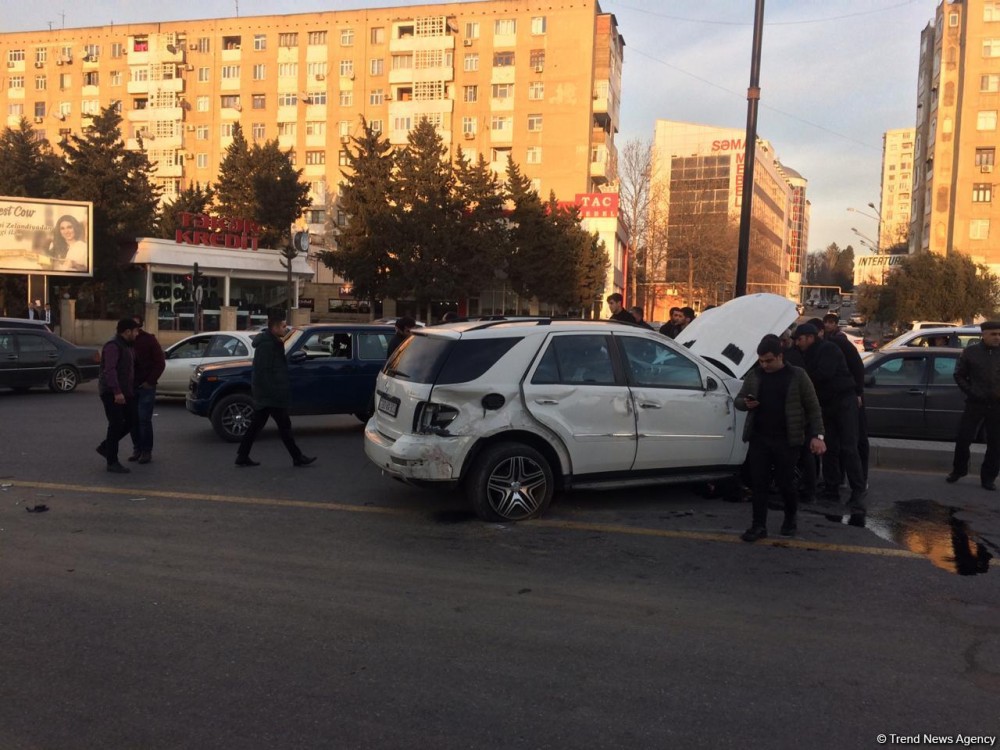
116	386
616	303
978	375
835	389
833	334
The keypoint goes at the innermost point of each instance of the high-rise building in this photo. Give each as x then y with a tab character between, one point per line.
537	81
698	182
958	98
897	184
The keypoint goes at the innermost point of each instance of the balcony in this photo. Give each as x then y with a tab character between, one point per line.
418	43
137	87
137	115
506	74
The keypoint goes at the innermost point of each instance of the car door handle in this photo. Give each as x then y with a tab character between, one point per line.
915	392
546	401
11	357
649	405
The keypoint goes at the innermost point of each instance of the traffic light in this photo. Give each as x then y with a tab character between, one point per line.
197	279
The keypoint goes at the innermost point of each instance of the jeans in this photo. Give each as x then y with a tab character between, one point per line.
120	417
260	417
142	430
766	455
975	414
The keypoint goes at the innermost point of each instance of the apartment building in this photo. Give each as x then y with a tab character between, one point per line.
698	174
897	184
958	98
538	81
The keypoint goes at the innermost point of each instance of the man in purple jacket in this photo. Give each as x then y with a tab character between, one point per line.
149	364
115	386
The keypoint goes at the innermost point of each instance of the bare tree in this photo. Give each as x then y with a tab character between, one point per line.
635	176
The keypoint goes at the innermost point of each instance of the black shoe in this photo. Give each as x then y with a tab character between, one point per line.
246	461
953	477
856	519
754	533
118	469
144	458
788	528
101	450
991	486
303	460
135	456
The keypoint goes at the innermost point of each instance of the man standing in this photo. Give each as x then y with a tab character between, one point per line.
115	386
784	415
672	326
978	375
835	390
856	366
271	392
149	364
639	316
618	312
404	326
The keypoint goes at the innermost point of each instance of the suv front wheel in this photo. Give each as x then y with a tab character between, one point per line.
232	415
510	482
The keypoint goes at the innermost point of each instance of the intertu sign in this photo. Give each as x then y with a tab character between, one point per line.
212	231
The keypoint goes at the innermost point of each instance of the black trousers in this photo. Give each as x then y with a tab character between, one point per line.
769	457
976	414
840	419
260	417
120	417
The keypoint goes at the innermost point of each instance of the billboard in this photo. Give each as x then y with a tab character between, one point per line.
46	237
874	269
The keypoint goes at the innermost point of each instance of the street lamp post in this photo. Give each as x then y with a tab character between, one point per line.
750	152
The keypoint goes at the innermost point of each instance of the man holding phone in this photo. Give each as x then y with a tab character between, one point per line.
784	414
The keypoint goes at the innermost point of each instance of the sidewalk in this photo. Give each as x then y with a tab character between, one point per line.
919	455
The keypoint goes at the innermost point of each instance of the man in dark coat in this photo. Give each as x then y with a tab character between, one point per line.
404	326
271	393
978	375
833	334
616	303
149	365
116	387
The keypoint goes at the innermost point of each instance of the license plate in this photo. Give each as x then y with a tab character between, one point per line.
388	405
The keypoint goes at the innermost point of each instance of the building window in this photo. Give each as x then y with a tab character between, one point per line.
15	82
534	123
470	93
469	125
230	101
41	83
538	25
258	131
115	77
537	60
65	81
288	39
90	78
376	96
471	62
500	123
315	157
991	48
287	129
986	120
985	157
317	216
316	69
204	44
316	38
504	27
472	29
39	109
258	101
15	110
536	90
534	155
317	97
346	37
15	55
204	75
979	229
952	20
226	130
230	72
344	158
287	100
202	161
201	134
117	50
91	52
402	62
403	122
502	91
260	42
259	72
982	192
499	155
377	66
375	125
288	70
991	12
347	68
377	35
232	42
503	59
346	98
201	104
316	127
989	83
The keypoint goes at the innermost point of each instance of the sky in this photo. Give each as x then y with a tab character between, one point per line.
834	76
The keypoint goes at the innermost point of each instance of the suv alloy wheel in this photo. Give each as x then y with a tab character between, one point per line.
510	482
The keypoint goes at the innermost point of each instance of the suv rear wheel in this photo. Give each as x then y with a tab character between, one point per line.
510	482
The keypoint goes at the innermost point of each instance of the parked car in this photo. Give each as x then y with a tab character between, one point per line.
514	411
188	354
331	367
25	323
856	337
956	337
911	393
32	357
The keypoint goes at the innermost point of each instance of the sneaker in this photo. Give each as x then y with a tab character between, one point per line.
118	469
788	528
144	458
303	460
754	533
135	456
953	477
856	519
246	461
101	450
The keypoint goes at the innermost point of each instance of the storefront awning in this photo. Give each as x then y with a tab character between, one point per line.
166	256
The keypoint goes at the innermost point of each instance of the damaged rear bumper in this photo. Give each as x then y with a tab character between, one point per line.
417	458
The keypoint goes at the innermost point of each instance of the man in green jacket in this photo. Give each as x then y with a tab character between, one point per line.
784	414
271	392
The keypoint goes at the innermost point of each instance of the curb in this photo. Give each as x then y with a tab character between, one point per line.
925	456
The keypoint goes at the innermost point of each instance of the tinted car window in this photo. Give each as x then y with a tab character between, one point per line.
944	371
901	371
576	360
327	344
6	343
373	345
193	348
419	358
654	364
227	346
29	343
469	359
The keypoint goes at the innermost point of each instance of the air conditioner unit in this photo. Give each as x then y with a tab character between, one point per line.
466	42
320	77
539	68
191	128
189	157
469	136
39	120
59	62
986	168
59	115
189	67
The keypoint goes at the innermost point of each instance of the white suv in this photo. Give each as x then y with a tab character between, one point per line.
517	410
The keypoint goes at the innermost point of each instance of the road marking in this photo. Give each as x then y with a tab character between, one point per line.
607	528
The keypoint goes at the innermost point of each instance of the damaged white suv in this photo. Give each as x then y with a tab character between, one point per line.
517	410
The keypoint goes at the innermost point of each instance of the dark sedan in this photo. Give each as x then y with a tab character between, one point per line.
30	358
911	393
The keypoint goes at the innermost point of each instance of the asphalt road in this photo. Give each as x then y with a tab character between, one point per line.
192	604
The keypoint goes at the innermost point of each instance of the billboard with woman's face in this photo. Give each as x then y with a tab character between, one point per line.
46	237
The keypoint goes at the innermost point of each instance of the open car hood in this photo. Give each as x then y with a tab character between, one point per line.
727	336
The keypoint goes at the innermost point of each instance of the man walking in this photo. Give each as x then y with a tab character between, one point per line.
115	386
978	375
784	415
832	333
149	365
616	303
271	392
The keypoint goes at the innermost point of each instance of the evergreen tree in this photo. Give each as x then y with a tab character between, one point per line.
364	246
485	231
120	184
585	254
28	166
192	200
234	193
530	266
279	194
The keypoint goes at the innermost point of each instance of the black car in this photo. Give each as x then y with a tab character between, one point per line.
31	357
33	325
331	367
911	393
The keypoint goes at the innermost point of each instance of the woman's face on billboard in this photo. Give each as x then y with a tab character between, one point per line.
67	231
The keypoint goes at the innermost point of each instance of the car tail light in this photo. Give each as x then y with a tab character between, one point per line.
434	418
96	358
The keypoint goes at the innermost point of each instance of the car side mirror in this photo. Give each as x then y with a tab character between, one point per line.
711	384
869	380
296	357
